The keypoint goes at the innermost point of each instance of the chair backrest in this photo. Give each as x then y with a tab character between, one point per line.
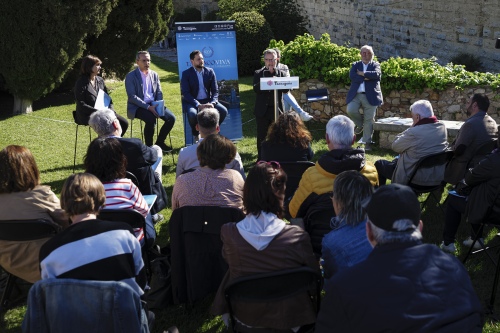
294	171
27	230
129	216
69	305
196	248
133	178
431	161
317	220
317	94
77	121
481	151
274	286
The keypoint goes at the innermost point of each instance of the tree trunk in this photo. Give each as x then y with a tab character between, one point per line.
21	106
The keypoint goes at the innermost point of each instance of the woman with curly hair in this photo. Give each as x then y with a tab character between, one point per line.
287	140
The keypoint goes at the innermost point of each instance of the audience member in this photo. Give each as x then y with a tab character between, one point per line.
426	136
91	249
106	161
264	99
476	130
22	197
346	244
211	184
364	92
403	285
87	88
341	156
208	123
263	242
287	140
200	90
477	195
143	88
143	161
288	100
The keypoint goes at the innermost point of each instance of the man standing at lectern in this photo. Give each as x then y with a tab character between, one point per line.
264	99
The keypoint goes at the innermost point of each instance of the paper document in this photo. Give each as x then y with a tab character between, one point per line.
102	101
160	107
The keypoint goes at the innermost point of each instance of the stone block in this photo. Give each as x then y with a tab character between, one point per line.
453	108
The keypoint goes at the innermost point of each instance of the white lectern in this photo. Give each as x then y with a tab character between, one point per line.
277	83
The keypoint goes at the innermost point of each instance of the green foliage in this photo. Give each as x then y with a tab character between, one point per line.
41	40
320	59
284	16
212	16
132	26
190	14
471	62
253	34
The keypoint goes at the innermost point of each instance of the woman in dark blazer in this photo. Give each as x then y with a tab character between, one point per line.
86	89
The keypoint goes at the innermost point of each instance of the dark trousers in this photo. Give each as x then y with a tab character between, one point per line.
192	113
455	207
263	124
385	170
150	123
123	123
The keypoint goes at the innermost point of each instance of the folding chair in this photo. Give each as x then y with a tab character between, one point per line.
171	151
317	220
294	171
426	162
22	231
317	95
78	123
273	286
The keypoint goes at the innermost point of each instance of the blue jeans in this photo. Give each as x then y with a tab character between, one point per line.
290	102
192	113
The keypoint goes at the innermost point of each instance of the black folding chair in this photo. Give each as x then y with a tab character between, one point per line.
171	151
273	286
317	95
22	231
294	171
78	124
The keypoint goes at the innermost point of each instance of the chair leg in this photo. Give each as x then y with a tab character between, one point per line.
495	286
131	127
172	151
476	239
11	279
74	155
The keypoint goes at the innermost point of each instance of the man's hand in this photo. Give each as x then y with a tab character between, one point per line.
204	106
153	111
361	73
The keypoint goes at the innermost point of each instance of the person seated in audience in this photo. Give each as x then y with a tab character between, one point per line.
22	197
426	136
341	156
476	195
403	285
106	161
91	249
208	123
287	140
211	184
479	128
346	244
143	161
263	242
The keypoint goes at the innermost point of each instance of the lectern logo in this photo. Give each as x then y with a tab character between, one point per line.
270	83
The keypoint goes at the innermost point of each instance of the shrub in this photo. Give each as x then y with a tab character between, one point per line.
470	61
190	14
253	34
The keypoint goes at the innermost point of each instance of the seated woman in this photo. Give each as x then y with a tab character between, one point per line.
287	140
86	89
211	184
263	242
106	161
346	244
23	198
111	252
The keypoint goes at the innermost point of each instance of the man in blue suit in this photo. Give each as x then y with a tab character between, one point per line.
365	92
143	88
199	90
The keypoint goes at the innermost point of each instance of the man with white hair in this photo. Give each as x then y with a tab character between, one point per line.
403	285
341	156
426	136
364	92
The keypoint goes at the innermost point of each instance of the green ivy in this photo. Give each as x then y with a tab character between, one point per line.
321	59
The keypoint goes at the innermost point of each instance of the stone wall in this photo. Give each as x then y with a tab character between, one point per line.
449	104
205	6
411	28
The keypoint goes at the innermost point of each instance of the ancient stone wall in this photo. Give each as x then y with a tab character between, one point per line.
411	28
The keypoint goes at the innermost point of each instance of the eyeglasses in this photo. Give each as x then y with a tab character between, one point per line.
274	59
275	165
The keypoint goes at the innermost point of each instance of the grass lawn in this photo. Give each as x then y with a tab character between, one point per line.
49	133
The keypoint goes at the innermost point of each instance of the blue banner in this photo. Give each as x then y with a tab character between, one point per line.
217	42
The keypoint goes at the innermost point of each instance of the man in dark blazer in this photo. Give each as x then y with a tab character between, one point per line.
143	88
199	90
364	92
264	99
143	161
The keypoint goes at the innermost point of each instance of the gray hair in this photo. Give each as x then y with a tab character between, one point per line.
350	189
368	48
208	119
423	108
101	121
385	237
138	55
340	131
271	51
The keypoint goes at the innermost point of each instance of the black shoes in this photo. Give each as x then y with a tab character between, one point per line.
163	146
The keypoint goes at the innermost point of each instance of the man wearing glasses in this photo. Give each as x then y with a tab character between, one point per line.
264	99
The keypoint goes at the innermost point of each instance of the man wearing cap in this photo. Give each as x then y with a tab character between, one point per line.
403	285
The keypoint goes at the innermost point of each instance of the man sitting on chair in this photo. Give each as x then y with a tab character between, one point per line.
199	90
208	123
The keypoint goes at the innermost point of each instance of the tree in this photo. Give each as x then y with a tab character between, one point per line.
41	40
